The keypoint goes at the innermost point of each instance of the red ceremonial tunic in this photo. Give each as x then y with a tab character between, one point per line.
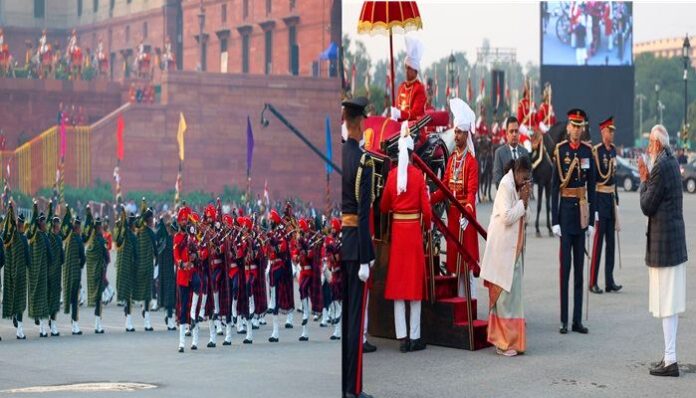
524	116
411	100
181	255
542	115
406	272
464	186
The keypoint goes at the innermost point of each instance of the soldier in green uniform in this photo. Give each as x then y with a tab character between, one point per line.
72	267
15	278
144	268
38	270
97	259
55	265
126	257
166	296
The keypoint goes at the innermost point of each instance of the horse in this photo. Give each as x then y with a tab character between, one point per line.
542	174
484	155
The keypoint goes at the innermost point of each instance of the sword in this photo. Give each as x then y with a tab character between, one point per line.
618	235
587	291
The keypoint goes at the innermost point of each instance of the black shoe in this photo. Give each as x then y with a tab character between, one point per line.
595	289
43	334
304	322
404	346
272	339
613	288
226	343
367	347
247	341
77	333
170	329
14	322
338	338
181	349
304	338
241	332
130	330
211	344
22	338
563	329
188	333
323	325
361	395
256	327
417	345
577	327
149	329
99	331
288	326
669	370
193	347
55	334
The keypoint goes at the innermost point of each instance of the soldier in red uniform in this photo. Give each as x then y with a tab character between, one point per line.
184	255
545	116
332	263
216	264
411	98
277	246
405	194
526	114
304	257
461	177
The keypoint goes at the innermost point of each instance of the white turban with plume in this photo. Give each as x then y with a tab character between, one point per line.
405	143
464	119
414	52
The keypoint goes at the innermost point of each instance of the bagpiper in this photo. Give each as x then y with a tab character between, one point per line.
72	267
37	274
17	259
98	258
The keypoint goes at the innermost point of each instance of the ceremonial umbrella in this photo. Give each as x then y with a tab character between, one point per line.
387	17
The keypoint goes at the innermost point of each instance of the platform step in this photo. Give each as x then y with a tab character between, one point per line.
445	286
459	308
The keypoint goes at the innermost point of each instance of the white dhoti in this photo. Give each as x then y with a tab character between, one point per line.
667	290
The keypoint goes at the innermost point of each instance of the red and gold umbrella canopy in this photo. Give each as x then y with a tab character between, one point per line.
387	17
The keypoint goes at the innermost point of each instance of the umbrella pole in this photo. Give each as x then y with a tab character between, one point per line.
391	58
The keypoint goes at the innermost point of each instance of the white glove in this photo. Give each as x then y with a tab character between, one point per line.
463	223
556	230
543	127
395	113
590	230
523	129
364	272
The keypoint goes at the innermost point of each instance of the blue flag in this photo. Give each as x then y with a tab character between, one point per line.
250	145
329	154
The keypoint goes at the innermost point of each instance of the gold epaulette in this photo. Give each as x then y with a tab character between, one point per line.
365	161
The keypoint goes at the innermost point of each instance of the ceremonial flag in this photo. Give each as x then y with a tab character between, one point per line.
329	152
250	145
469	90
482	91
266	194
119	137
497	93
367	84
180	135
353	75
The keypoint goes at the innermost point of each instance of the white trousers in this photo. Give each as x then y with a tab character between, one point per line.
400	319
669	330
473	282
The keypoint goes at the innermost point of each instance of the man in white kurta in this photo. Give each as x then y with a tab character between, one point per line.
661	201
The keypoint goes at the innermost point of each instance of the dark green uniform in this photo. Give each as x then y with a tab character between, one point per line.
97	259
15	275
165	260
142	289
55	267
126	257
72	267
38	269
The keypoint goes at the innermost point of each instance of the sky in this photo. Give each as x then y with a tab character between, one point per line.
450	25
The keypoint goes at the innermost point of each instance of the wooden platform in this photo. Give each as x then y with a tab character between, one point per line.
443	323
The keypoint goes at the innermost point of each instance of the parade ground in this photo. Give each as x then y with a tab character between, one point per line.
289	368
612	360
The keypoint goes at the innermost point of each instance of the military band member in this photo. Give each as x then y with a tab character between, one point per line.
166	296
606	208
15	274
54	270
405	194
144	267
411	97
72	268
184	271
278	247
97	260
37	274
357	252
126	258
332	255
572	213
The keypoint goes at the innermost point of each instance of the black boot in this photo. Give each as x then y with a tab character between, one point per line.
405	345
669	370
578	327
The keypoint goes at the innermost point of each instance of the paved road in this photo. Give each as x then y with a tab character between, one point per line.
289	368
612	360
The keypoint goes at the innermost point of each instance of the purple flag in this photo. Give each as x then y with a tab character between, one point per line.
250	146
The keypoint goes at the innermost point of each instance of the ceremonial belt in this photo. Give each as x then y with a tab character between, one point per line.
306	268
605	188
406	216
217	261
578	193
349	220
233	265
251	267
